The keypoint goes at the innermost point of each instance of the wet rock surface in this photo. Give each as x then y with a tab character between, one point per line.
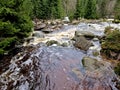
86	34
57	68
82	43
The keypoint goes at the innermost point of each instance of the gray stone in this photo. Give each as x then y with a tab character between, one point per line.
82	43
39	27
86	34
38	34
95	39
66	19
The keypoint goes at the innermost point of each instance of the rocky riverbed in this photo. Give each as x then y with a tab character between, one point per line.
66	59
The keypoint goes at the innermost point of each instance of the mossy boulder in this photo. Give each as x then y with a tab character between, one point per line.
92	64
51	42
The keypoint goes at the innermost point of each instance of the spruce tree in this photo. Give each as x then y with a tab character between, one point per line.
55	9
78	9
117	10
48	9
60	10
91	9
103	8
15	23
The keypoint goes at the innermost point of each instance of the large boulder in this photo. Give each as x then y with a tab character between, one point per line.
82	43
97	73
87	34
56	68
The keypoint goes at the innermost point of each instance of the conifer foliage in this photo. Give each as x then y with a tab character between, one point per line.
15	23
86	9
117	10
91	12
48	9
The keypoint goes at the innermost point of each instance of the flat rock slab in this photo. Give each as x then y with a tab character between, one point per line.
56	68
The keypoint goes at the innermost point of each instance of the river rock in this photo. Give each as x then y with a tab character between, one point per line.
66	20
75	22
91	64
95	39
52	42
40	26
47	30
38	34
82	43
54	23
102	73
86	34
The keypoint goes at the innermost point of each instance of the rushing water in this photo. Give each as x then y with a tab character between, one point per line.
60	68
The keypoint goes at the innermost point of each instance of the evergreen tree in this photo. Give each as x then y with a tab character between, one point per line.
15	23
91	9
48	9
55	9
103	8
78	9
117	10
60	10
36	8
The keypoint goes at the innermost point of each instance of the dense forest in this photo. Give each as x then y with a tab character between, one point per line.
90	9
16	15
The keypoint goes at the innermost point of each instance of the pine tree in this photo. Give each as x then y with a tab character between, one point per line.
78	9
48	9
55	9
91	9
117	10
15	23
103	8
60	10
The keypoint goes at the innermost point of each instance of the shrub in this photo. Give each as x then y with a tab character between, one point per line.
111	45
6	44
112	41
108	30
